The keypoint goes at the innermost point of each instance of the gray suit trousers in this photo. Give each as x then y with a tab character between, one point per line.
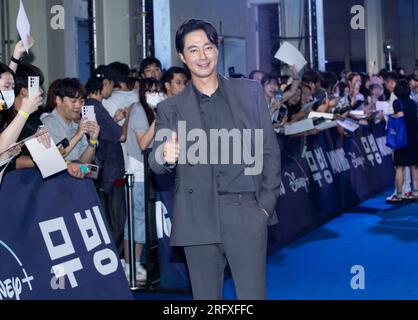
244	247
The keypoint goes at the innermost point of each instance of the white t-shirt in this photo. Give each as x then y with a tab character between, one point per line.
392	99
120	100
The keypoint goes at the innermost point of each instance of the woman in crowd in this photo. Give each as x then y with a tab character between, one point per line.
408	156
141	131
7	100
33	125
356	98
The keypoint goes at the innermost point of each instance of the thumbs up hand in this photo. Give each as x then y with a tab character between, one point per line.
171	151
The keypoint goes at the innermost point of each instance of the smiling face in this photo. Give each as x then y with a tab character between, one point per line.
70	108
200	55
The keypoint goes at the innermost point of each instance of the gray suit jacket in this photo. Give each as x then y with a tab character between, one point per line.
196	214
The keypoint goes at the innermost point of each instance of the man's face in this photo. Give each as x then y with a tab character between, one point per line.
177	85
200	55
70	108
152	71
390	85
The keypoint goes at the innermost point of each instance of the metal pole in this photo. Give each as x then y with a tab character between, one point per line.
144	29
148	217
310	14
131	238
390	62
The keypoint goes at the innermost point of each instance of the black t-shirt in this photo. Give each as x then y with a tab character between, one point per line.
30	128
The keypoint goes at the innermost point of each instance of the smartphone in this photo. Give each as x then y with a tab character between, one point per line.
93	172
278	95
280	115
33	86
88	113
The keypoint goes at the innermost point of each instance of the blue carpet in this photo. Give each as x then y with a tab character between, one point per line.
381	238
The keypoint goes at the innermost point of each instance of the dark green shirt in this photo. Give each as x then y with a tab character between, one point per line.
216	115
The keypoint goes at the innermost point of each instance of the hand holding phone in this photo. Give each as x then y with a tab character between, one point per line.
33	86
88	113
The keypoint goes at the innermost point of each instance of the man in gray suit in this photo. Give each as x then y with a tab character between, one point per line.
221	211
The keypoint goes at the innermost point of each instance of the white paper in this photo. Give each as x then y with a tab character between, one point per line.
23	26
318	115
349	125
359	114
49	161
291	56
326	125
382	106
299	127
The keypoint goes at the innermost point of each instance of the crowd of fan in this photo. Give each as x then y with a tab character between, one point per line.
125	102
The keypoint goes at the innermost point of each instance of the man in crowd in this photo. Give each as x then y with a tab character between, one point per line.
65	123
174	81
150	68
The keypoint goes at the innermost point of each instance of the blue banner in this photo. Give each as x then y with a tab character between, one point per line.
173	270
54	241
322	176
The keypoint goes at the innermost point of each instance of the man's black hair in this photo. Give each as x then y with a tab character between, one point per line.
391	76
95	83
149	62
120	73
402	90
69	87
168	76
194	25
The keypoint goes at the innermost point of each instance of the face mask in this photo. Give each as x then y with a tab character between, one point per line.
153	99
8	98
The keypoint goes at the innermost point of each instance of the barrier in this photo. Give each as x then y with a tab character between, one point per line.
322	176
54	241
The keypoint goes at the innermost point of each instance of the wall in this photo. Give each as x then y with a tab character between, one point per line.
236	17
344	47
113	31
401	26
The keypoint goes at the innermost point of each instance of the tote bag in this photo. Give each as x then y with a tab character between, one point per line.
396	134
